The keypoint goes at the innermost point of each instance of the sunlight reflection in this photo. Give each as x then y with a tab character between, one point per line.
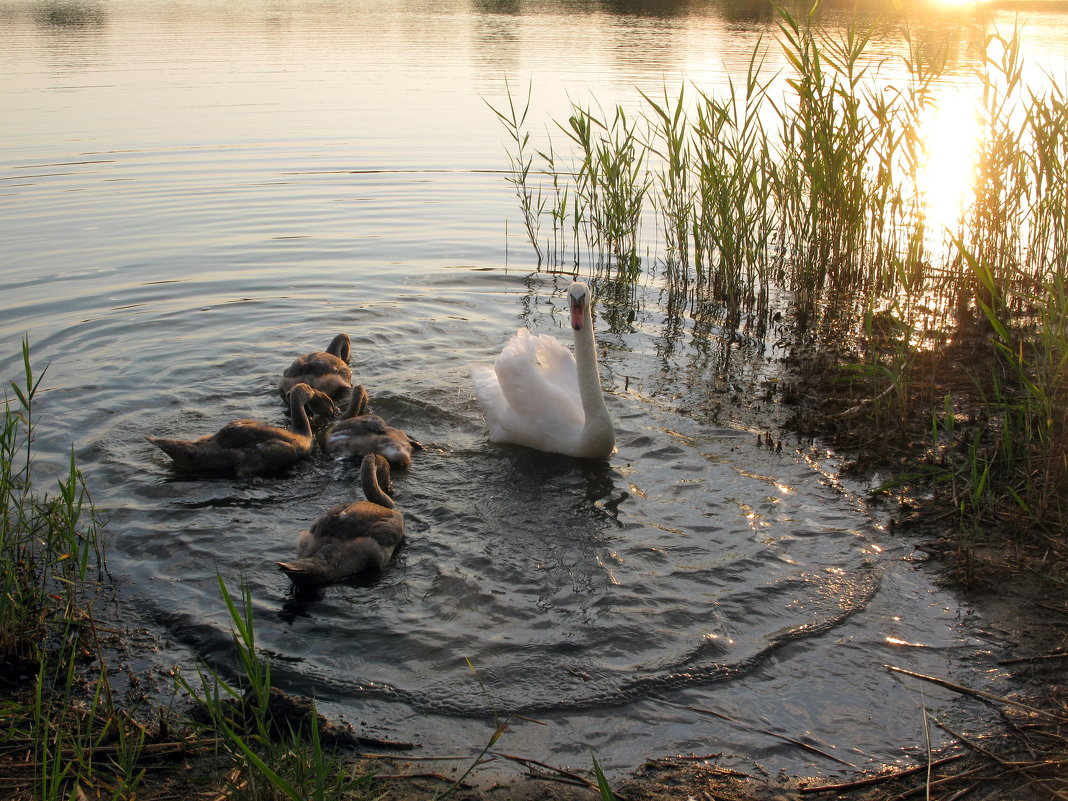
958	3
898	641
950	134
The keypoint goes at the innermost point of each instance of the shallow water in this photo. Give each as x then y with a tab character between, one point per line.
194	195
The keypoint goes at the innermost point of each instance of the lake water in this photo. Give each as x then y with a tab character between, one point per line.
194	193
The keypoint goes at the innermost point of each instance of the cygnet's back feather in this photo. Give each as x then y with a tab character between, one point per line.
358	434
327	371
350	538
250	447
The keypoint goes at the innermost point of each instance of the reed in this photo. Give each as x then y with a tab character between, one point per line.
801	196
1023	454
611	184
604	789
670	143
531	201
51	568
733	224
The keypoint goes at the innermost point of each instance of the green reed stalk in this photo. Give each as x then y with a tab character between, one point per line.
675	201
826	142
733	220
1047	134
500	726
48	542
604	789
531	202
611	184
1028	411
558	209
994	223
908	251
581	126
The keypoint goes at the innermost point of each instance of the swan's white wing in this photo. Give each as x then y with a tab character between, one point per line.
557	364
533	374
529	397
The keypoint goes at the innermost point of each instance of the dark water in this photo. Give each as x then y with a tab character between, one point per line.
194	194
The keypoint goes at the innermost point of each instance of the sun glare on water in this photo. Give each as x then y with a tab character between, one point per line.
950	137
957	3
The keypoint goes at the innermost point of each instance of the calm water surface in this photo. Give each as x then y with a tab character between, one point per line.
193	194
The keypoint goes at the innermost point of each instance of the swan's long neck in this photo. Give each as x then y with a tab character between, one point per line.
598	425
299	412
374	469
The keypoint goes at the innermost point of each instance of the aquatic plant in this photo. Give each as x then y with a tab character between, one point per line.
800	197
610	186
531	202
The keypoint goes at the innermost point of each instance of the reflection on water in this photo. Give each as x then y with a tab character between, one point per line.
192	199
71	15
950	132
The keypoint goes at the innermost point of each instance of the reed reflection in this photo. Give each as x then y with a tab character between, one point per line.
70	15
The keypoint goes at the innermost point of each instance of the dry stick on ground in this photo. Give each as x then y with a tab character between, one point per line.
402	776
1036	658
865	402
977	774
882	777
407	758
1009	767
1022	769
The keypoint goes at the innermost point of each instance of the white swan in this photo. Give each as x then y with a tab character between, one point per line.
537	394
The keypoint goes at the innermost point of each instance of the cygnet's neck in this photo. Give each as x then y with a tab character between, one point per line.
299	412
370	470
357	403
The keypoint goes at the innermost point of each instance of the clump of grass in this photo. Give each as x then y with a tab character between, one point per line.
531	201
69	733
49	542
732	225
1019	462
276	756
610	186
670	144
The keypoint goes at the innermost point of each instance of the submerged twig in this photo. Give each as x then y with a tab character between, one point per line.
574	778
777	736
981	694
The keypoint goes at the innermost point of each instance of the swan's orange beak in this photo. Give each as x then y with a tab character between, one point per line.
578	307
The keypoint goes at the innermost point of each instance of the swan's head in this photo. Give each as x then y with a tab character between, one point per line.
578	296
